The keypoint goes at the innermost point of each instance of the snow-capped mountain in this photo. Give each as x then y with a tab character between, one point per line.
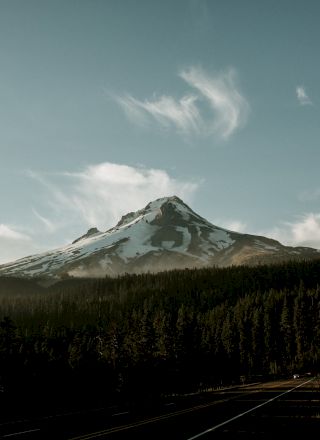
166	234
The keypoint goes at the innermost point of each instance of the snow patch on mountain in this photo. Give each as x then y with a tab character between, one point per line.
221	238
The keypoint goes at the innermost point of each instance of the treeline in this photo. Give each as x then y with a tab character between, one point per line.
146	336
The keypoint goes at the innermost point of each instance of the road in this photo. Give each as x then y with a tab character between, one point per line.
287	407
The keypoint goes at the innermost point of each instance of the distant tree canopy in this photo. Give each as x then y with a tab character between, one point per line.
144	336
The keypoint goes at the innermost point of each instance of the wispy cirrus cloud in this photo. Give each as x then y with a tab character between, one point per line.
228	109
10	233
100	194
182	114
302	96
13	243
49	225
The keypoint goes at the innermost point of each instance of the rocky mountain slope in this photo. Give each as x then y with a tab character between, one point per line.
166	234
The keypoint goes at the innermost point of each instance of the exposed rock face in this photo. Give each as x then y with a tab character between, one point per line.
90	233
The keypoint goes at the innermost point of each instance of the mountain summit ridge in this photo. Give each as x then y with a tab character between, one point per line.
165	234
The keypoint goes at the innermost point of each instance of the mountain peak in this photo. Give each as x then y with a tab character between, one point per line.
168	199
156	204
155	208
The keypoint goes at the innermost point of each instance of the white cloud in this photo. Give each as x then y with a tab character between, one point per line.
100	194
228	108
231	224
302	96
305	231
236	226
8	232
13	243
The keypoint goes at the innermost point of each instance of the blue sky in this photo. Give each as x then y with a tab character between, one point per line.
105	105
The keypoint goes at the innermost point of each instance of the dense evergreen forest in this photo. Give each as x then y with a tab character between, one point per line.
137	338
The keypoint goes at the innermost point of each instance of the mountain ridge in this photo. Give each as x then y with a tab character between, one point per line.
165	234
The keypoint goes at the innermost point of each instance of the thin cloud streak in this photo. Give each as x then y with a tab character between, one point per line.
13	243
8	232
49	225
230	109
302	96
182	114
188	115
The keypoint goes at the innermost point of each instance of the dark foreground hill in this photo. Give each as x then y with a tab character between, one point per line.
137	338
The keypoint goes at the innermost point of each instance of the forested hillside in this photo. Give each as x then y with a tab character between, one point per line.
140	337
